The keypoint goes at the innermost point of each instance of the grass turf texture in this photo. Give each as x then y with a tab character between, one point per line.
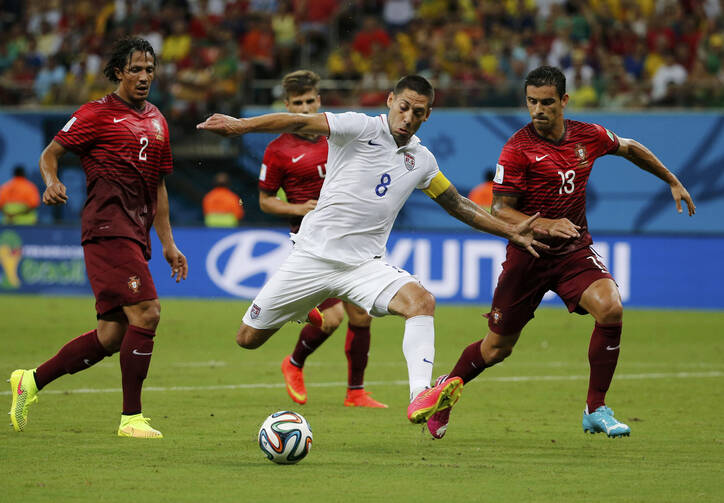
514	436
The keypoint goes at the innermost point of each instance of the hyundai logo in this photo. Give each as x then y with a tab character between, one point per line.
232	263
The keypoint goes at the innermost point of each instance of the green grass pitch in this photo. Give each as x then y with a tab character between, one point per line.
514	436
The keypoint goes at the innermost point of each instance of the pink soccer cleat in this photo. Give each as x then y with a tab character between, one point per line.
437	424
441	396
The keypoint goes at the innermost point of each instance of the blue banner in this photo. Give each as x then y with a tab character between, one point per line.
621	198
461	268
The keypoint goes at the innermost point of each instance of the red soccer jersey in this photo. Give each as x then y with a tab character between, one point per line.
124	152
550	177
298	166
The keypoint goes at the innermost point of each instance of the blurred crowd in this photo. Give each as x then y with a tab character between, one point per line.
223	54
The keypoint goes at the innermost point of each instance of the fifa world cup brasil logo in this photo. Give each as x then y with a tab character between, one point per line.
10	255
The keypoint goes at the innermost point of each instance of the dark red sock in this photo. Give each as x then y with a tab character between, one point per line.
356	347
136	350
470	364
310	338
602	357
78	354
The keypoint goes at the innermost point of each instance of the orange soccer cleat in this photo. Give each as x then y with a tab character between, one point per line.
362	398
294	378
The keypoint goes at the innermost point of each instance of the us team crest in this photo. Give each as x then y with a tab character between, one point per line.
254	312
134	284
409	161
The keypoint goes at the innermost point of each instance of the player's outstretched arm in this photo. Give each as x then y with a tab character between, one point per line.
462	208
226	125
646	160
162	224
55	190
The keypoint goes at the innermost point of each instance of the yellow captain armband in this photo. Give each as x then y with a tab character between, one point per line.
438	185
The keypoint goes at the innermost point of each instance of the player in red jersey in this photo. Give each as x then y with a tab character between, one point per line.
544	167
296	163
124	148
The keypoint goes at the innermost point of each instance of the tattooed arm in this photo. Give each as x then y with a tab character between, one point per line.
462	208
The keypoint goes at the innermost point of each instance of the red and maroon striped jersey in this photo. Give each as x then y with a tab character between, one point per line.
550	177
124	152
298	166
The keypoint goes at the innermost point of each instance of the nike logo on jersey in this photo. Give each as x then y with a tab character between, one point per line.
537	159
116	121
427	361
135	352
374	144
295	159
612	348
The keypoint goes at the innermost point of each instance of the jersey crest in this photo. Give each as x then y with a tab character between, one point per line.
581	153
134	283
409	161
159	130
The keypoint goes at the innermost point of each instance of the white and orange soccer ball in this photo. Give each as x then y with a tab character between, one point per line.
285	437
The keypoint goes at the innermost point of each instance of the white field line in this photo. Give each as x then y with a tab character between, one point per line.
514	379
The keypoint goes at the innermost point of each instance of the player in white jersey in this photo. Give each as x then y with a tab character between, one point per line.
373	165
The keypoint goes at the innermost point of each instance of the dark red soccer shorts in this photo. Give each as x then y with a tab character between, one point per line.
525	279
328	303
118	273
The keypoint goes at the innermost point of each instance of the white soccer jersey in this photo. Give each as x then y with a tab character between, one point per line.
368	180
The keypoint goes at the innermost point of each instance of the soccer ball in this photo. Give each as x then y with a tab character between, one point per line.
285	437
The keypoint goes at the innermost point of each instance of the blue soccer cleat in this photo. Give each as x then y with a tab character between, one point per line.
602	421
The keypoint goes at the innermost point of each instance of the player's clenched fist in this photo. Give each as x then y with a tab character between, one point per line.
55	194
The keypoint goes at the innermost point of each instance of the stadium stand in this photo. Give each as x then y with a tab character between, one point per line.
223	54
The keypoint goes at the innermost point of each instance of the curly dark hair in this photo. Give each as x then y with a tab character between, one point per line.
547	76
121	54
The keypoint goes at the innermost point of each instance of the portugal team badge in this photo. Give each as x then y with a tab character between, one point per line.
159	130
496	315
581	153
134	284
254	312
409	161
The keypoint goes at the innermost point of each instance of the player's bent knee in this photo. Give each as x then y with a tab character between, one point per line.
424	304
332	319
612	312
251	338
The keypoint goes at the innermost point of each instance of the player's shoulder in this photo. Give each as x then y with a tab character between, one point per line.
522	139
152	110
358	118
580	128
94	107
424	152
524	134
280	143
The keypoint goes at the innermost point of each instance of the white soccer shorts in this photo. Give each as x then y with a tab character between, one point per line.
303	281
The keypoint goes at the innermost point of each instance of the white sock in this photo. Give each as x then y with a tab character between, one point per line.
418	345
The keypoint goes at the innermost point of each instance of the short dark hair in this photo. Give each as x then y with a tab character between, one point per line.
547	76
121	54
300	82
416	83
19	170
